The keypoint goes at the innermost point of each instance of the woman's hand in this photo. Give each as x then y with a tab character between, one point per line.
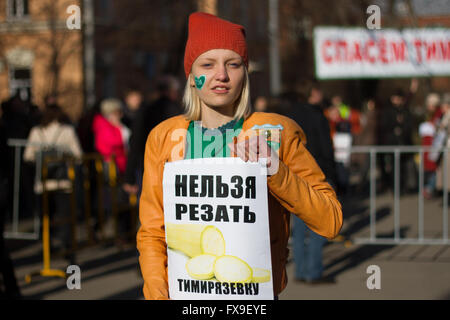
254	149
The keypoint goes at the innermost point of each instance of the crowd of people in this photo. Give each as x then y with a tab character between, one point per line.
332	127
393	121
114	128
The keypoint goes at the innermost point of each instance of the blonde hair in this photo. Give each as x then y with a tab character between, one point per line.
433	99
192	103
109	106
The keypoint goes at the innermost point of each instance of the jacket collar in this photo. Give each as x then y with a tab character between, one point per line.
180	122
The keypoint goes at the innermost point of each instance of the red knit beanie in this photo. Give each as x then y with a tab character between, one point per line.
207	32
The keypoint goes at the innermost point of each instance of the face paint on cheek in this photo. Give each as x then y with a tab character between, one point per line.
200	81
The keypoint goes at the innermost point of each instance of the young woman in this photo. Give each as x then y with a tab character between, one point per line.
217	100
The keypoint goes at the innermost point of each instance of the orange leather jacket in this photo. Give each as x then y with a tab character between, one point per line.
298	187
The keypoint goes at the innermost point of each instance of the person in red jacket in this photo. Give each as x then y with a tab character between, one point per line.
427	131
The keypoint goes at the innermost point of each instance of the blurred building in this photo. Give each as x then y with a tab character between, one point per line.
296	39
125	44
137	41
39	55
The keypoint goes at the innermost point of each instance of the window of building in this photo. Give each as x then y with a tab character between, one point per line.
20	82
17	9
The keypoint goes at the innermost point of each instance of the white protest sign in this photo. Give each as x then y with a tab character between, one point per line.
342	142
361	53
217	230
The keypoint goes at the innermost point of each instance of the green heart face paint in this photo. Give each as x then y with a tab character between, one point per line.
200	81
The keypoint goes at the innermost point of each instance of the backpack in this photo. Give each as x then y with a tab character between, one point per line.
55	170
344	126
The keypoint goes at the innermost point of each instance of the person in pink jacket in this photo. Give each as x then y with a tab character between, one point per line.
111	136
111	139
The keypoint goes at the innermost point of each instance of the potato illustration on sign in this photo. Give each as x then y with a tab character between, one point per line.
232	269
260	275
205	245
201	267
195	239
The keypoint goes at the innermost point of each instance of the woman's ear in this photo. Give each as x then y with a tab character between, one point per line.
191	80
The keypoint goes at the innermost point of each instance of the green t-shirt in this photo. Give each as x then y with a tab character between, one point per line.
210	143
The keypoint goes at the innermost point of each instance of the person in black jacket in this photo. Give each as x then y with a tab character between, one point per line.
19	116
308	244
11	289
310	116
164	107
396	126
133	101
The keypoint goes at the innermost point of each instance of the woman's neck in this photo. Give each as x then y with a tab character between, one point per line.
214	118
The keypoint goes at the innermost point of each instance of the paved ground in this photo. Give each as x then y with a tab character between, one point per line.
407	271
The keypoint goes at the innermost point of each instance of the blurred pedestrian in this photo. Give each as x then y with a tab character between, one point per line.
427	131
19	116
166	105
345	124
397	130
87	141
307	244
110	134
367	136
53	133
444	127
112	141
10	288
133	101
260	104
85	129
342	117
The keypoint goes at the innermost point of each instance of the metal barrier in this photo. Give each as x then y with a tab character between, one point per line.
46	270
14	233
18	145
373	151
86	161
98	165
